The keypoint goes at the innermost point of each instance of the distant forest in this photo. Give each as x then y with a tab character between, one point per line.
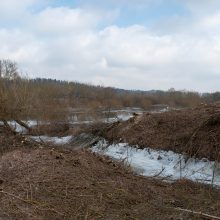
85	95
48	99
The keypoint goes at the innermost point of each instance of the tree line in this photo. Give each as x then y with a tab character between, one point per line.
22	98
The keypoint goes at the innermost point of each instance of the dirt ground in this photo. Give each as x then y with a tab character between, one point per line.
195	132
43	182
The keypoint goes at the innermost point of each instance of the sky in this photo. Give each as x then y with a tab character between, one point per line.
130	44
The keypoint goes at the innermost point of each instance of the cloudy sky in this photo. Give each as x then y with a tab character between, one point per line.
132	44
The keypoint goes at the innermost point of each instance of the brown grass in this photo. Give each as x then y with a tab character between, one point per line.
41	182
192	131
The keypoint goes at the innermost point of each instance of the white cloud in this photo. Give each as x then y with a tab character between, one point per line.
63	20
14	9
210	23
12	4
18	46
69	43
201	6
136	47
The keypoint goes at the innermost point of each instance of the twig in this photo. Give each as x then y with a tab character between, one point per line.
196	213
158	174
36	204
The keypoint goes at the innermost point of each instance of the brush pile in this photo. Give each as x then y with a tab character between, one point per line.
195	132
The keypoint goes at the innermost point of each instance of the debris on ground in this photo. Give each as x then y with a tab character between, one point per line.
38	181
195	132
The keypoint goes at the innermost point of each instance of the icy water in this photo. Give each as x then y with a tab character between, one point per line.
152	163
165	164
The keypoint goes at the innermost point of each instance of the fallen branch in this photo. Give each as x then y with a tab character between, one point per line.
196	213
23	125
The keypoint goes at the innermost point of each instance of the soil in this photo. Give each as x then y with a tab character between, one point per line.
195	132
38	181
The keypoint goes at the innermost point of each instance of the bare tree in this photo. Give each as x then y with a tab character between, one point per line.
14	94
8	70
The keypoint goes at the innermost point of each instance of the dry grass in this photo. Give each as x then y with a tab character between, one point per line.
192	131
41	182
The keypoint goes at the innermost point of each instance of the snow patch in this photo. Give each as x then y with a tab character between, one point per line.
159	163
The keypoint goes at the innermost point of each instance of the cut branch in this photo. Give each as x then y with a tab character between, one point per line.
23	124
207	216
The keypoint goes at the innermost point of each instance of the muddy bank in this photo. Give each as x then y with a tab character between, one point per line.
195	132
